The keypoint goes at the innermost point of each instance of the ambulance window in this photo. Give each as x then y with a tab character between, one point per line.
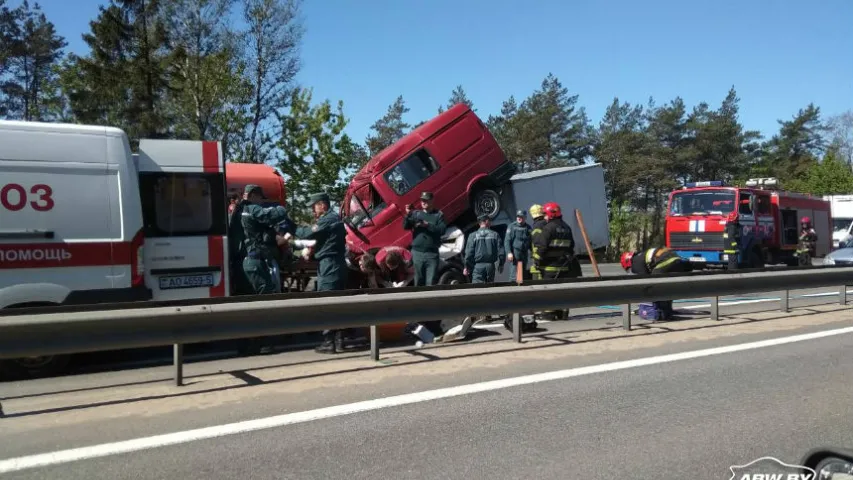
407	174
183	204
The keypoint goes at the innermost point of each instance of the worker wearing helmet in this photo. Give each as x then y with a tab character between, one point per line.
554	248
808	242
517	243
539	221
655	261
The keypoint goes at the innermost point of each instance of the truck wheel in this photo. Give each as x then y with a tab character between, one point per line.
34	367
486	202
451	277
755	260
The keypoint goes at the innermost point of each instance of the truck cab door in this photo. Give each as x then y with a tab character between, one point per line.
767	228
184	209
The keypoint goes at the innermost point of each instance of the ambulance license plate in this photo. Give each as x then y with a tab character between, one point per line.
697	259
186	281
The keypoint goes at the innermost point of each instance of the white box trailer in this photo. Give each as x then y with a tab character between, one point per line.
842	218
580	187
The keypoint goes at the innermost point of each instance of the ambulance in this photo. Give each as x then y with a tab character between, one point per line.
83	220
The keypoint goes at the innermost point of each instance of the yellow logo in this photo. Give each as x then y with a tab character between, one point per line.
696	240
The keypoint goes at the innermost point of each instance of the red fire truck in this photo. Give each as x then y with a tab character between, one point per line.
766	218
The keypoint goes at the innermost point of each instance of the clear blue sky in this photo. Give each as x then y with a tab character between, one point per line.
779	54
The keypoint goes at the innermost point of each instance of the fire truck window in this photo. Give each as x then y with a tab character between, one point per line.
762	204
743	208
407	174
707	202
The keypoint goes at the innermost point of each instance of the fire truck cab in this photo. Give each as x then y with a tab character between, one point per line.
766	218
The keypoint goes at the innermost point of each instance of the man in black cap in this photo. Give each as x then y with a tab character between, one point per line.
329	234
517	243
259	246
427	225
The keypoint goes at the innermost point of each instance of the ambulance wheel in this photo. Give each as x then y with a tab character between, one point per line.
34	367
486	202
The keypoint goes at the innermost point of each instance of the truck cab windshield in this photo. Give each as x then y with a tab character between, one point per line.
365	198
702	202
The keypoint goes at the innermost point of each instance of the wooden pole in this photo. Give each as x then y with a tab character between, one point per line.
519	273
586	241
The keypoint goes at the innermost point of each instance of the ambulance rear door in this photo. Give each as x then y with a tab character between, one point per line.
184	208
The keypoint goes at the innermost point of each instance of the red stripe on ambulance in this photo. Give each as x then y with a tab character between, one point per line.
215	244
60	254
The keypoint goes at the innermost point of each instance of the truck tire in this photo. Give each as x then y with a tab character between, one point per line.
486	201
34	367
451	276
755	260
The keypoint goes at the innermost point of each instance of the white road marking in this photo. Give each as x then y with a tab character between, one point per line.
157	441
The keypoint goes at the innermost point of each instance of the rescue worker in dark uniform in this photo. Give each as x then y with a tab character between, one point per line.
261	250
807	247
554	248
484	248
427	226
535	231
517	244
656	261
330	251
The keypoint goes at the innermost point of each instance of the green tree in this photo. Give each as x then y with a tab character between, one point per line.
841	131
388	129
831	176
123	81
29	60
457	96
507	129
274	36
209	95
554	130
799	144
317	154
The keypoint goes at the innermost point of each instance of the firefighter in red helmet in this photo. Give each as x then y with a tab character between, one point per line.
656	261
554	248
808	242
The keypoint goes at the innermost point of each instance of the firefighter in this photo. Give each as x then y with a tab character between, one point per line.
808	242
535	231
554	248
517	243
656	261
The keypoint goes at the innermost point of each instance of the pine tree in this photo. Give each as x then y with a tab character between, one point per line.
388	129
797	146
31	51
458	96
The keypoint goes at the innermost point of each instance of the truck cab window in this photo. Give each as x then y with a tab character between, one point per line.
407	174
368	197
762	203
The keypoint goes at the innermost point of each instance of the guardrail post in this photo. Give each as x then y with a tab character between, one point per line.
783	302
374	343
715	308
626	316
842	295
516	327
178	350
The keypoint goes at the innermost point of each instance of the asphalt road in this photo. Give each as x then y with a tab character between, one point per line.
688	418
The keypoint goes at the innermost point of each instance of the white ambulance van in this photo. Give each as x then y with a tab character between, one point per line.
83	220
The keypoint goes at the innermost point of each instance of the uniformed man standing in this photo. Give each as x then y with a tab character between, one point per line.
483	250
329	234
427	226
259	244
535	232
517	243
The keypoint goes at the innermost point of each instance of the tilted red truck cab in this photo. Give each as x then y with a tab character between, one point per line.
697	216
454	156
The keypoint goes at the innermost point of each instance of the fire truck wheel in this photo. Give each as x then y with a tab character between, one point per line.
755	260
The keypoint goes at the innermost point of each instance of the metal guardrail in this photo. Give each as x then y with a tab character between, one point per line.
28	333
